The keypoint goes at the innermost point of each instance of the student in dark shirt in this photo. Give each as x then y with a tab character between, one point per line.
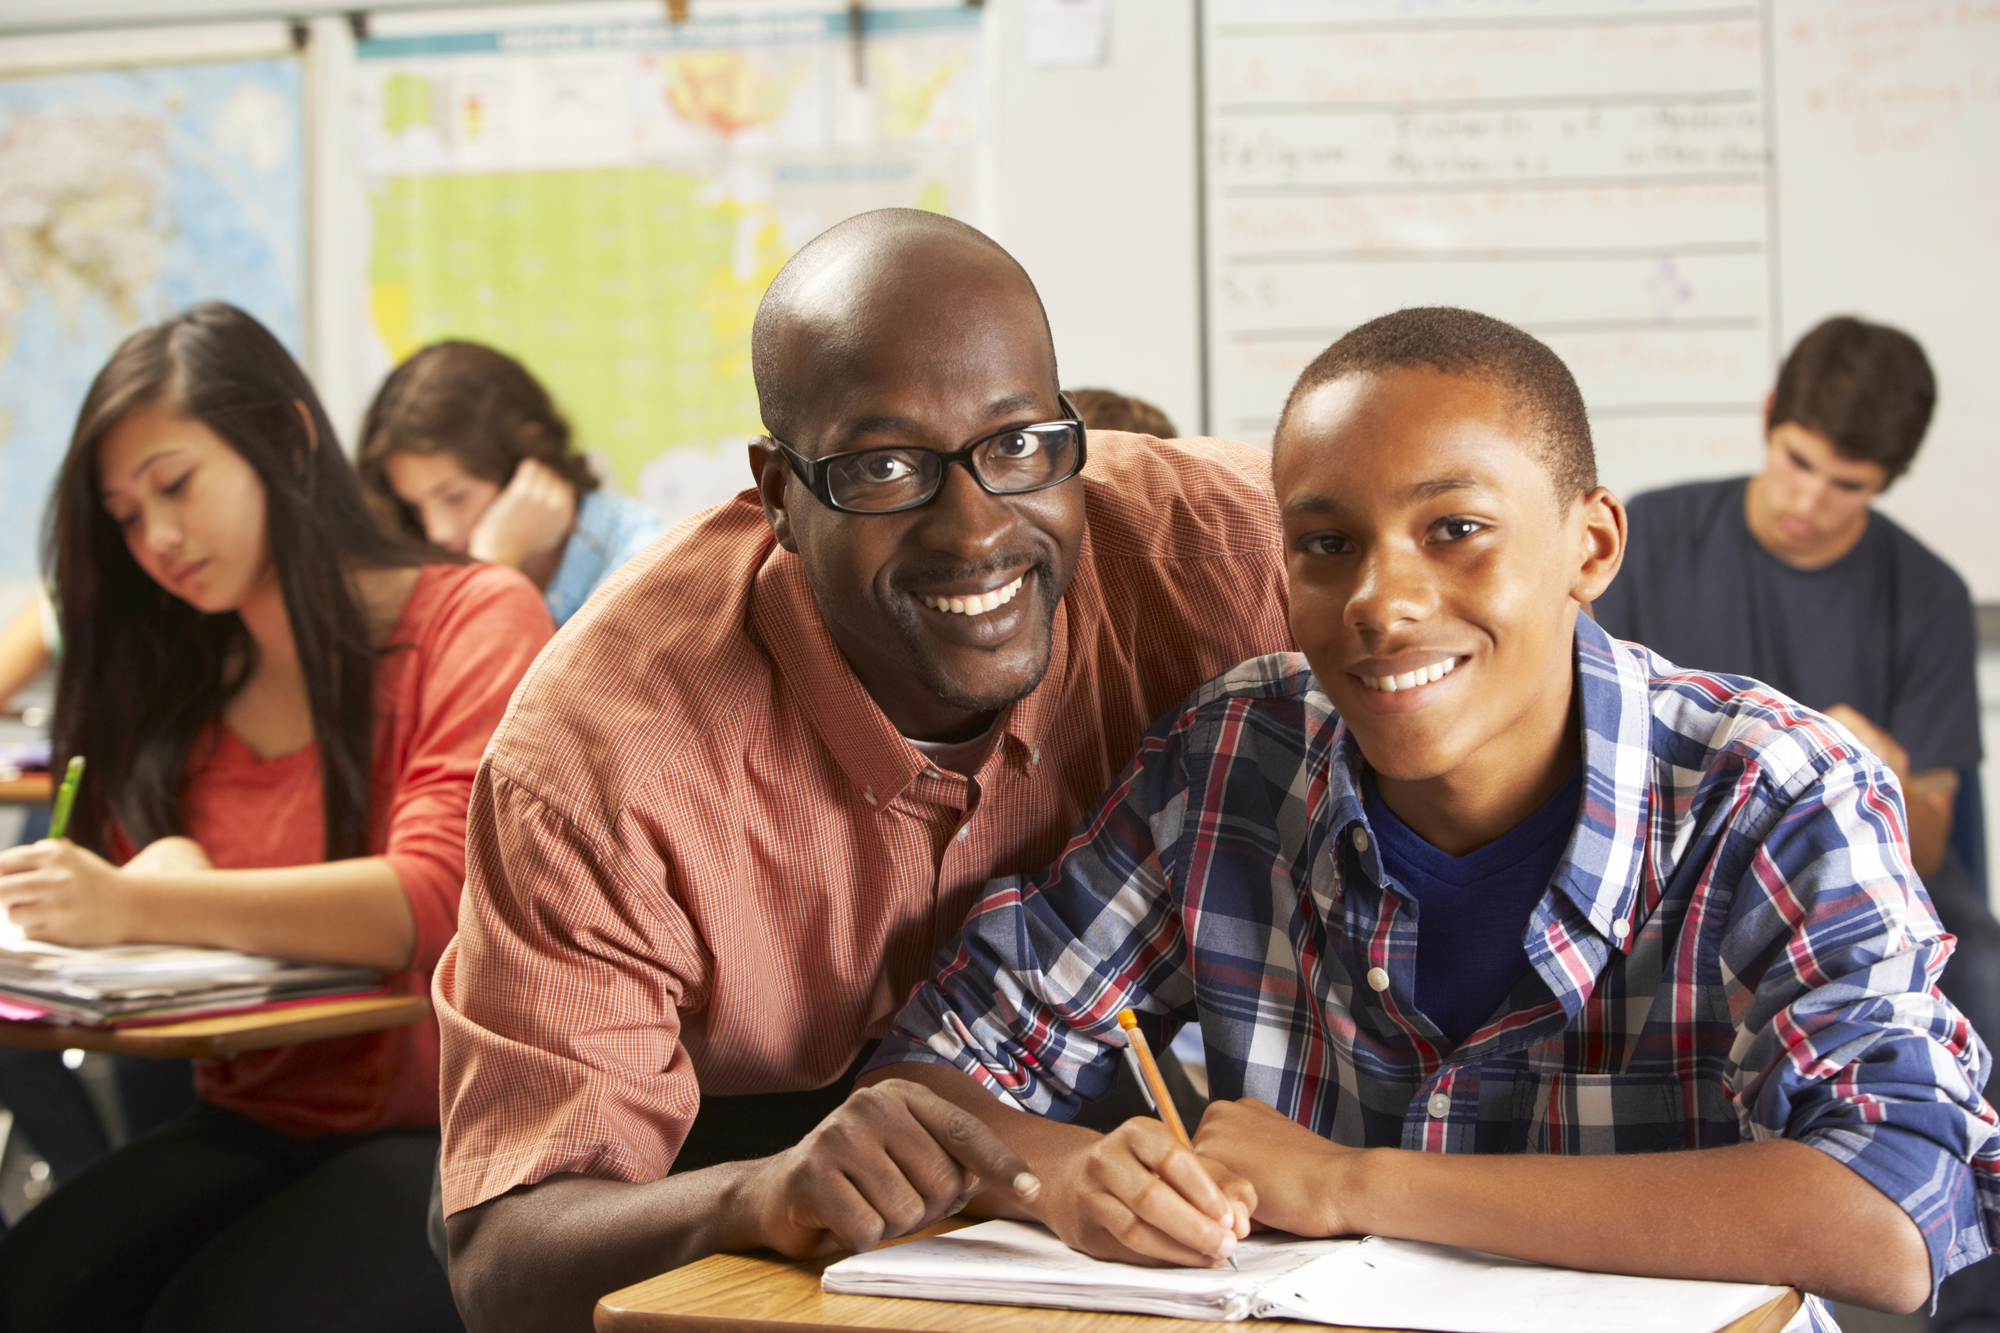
1793	578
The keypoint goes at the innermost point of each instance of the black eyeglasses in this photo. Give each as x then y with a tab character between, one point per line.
1014	461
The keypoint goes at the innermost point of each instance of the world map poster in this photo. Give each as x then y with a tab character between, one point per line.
125	196
608	202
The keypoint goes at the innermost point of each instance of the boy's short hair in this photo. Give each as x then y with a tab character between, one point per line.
1866	387
1465	342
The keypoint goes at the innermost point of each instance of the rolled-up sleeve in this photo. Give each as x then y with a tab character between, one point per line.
558	1005
1844	1041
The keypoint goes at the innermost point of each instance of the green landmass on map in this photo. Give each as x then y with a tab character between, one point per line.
408	102
615	286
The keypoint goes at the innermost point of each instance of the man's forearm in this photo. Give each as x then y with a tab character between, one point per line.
1777	1212
538	1258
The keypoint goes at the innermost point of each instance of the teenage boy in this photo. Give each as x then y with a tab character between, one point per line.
1791	577
1484	916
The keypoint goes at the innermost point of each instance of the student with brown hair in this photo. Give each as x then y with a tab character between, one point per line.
466	449
1792	577
283	707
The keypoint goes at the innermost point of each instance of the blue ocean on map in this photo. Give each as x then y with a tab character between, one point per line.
125	196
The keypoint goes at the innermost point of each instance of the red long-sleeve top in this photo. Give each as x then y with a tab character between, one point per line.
465	637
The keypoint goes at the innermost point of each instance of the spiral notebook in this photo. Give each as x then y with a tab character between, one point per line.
1371	1283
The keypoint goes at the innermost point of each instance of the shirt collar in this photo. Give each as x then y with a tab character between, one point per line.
856	733
1603	866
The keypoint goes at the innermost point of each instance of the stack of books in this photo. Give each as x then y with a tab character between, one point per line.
134	984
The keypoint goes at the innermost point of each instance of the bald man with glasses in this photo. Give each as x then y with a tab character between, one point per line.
754	786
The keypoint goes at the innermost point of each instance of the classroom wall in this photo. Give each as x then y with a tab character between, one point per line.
1097	199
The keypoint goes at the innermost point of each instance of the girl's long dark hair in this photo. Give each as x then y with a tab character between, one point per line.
142	672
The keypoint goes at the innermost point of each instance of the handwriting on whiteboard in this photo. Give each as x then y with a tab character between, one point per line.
1597	172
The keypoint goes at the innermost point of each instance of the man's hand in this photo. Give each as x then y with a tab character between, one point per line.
527	523
894	1158
1287	1164
1137	1195
58	893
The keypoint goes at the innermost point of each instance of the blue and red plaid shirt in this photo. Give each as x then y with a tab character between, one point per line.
1734	947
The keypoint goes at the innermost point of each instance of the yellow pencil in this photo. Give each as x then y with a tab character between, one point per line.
1149	1074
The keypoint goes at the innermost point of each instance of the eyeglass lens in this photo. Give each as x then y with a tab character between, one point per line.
1009	463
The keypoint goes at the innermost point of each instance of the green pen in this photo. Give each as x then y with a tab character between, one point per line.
66	797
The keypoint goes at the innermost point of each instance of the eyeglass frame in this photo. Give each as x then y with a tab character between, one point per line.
813	471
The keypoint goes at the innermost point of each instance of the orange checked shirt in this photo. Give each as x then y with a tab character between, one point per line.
700	858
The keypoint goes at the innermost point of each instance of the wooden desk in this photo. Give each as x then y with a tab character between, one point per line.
229	1034
27	789
763	1293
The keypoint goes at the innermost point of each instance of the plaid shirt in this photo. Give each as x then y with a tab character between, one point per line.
1734	947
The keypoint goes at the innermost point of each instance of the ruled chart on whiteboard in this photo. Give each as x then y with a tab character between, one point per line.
1596	171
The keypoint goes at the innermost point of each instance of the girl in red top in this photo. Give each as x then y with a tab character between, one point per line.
283	709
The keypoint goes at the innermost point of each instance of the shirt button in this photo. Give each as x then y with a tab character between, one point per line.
1378	979
1035	756
1361	845
1439	1105
1621	927
964	832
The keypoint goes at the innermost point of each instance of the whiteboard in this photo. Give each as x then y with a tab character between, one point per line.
1667	192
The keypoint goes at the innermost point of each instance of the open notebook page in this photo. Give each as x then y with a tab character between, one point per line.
1014	1263
1369	1283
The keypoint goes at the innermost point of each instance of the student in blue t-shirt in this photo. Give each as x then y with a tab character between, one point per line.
1499	933
1793	577
465	448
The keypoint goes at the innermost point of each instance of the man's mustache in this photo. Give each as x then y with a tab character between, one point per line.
1015	562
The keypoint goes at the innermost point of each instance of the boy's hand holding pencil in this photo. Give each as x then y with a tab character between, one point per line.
1140	1194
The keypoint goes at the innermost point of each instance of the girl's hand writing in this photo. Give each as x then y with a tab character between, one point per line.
58	893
